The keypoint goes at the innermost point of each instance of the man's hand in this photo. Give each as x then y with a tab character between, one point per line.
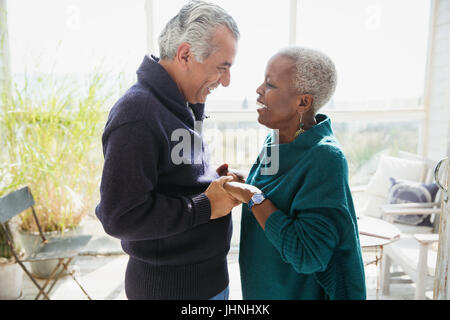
221	201
241	191
223	170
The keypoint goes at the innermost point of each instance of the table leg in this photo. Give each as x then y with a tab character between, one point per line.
379	256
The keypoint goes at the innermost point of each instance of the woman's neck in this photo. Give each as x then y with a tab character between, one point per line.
287	135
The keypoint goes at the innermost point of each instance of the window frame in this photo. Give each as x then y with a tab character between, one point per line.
411	114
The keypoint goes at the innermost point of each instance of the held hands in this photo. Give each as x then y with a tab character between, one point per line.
221	201
224	194
223	170
228	191
241	191
237	188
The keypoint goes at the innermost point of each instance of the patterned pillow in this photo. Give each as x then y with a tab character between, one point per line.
403	191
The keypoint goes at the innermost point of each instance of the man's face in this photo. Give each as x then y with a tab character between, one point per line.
204	77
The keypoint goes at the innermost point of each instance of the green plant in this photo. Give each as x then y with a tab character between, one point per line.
5	250
51	134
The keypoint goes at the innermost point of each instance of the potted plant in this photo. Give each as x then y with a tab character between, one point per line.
51	136
11	274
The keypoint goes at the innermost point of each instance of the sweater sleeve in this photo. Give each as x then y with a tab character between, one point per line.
306	241
130	208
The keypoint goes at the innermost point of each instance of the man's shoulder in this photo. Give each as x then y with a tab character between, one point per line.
133	105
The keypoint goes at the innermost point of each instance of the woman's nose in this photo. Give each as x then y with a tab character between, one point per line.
260	90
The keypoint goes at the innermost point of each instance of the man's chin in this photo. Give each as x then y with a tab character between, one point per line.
202	100
196	101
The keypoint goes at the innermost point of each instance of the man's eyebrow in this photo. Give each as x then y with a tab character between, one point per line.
226	64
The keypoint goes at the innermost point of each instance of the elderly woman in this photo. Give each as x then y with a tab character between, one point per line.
299	237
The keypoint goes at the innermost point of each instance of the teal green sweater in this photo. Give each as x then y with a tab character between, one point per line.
310	246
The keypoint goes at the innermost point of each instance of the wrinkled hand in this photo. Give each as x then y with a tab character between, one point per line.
223	170
221	201
241	191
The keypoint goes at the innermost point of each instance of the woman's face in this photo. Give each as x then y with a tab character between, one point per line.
276	95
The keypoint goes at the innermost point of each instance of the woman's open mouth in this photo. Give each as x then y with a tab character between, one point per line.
261	106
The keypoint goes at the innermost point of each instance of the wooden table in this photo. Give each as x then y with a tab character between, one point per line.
374	234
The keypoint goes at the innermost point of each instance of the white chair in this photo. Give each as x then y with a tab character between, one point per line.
414	252
372	200
414	257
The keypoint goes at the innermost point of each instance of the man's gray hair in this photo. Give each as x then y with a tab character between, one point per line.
195	24
315	74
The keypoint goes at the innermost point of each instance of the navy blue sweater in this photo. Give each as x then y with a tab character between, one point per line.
155	206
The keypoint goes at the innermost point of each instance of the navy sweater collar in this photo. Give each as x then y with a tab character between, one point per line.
151	74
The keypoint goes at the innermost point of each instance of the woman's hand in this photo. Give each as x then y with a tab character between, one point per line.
223	170
241	191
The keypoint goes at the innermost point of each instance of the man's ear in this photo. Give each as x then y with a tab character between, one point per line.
184	53
305	102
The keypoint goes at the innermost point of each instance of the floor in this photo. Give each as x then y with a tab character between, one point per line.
101	269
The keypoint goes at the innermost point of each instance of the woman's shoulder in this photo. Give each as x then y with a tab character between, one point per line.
327	157
328	149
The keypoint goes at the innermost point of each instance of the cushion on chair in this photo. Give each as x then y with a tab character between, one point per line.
378	188
373	205
379	184
404	191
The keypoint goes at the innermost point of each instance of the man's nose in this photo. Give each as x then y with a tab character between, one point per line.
225	79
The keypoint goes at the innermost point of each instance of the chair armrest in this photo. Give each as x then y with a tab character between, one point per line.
410	208
358	189
406	211
427	238
410	205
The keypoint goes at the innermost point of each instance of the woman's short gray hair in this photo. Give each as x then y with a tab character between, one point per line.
195	24
315	74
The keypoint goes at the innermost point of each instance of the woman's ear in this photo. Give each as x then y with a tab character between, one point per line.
305	102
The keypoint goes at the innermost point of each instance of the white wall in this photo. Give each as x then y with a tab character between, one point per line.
437	143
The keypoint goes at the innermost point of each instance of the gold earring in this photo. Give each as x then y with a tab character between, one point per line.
300	130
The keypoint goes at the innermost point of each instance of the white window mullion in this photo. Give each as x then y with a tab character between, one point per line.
436	95
150	26
427	85
293	22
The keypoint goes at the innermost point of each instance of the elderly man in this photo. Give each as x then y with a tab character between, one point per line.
164	202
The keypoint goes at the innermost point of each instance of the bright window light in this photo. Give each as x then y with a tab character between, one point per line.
76	36
379	48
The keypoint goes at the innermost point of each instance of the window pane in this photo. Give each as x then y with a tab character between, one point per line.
379	47
237	142
76	36
363	142
264	29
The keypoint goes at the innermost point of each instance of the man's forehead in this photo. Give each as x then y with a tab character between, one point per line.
222	58
225	46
